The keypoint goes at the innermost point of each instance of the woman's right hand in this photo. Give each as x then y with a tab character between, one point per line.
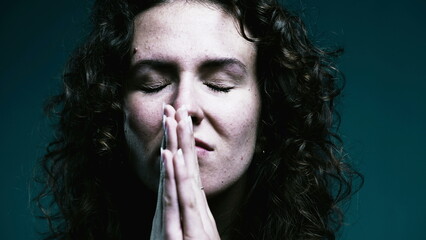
182	210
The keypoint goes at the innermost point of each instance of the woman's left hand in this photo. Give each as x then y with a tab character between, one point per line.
182	209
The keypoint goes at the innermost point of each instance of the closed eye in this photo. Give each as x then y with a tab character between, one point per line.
218	88
152	89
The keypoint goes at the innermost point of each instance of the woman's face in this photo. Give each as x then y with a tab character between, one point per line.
192	54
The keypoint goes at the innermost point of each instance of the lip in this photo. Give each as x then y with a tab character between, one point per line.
203	145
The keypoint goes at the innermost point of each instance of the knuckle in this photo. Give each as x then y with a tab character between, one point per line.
183	177
168	201
181	127
190	204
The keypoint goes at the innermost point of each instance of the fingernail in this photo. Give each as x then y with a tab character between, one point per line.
164	140
164	122
191	127
180	155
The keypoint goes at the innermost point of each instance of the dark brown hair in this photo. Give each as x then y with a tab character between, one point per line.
298	174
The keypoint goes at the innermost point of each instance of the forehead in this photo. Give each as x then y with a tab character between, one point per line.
189	31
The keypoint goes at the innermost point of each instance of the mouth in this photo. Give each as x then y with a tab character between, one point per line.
203	145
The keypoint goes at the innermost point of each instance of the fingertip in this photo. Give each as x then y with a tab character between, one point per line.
180	128
179	157
190	125
166	153
182	113
164	122
169	110
180	154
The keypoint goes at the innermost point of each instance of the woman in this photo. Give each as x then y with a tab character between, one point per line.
224	109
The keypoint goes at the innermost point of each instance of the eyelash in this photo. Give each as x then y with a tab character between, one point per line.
213	87
216	88
153	89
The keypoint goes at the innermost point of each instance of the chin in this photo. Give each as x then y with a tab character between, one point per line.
215	186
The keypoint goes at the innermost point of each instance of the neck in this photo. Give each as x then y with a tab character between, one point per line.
226	207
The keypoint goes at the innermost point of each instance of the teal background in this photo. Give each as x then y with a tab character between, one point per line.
383	105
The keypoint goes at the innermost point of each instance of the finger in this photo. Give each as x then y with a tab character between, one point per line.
157	223
206	216
209	222
191	220
186	142
170	128
171	135
181	113
185	139
169	110
171	215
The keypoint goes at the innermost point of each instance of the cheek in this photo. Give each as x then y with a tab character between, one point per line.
237	149
242	121
142	124
245	132
246	126
143	133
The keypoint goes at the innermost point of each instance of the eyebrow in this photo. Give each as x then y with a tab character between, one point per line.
223	63
162	65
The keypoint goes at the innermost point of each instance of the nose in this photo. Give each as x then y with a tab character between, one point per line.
186	95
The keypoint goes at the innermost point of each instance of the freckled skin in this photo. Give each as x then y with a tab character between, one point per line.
186	35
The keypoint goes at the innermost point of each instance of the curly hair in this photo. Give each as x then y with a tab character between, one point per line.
298	174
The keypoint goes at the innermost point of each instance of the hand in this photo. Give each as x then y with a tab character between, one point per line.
182	210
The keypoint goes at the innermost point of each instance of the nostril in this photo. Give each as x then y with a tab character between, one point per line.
195	120
196	113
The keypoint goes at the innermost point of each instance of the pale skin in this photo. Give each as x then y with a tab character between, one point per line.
193	83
